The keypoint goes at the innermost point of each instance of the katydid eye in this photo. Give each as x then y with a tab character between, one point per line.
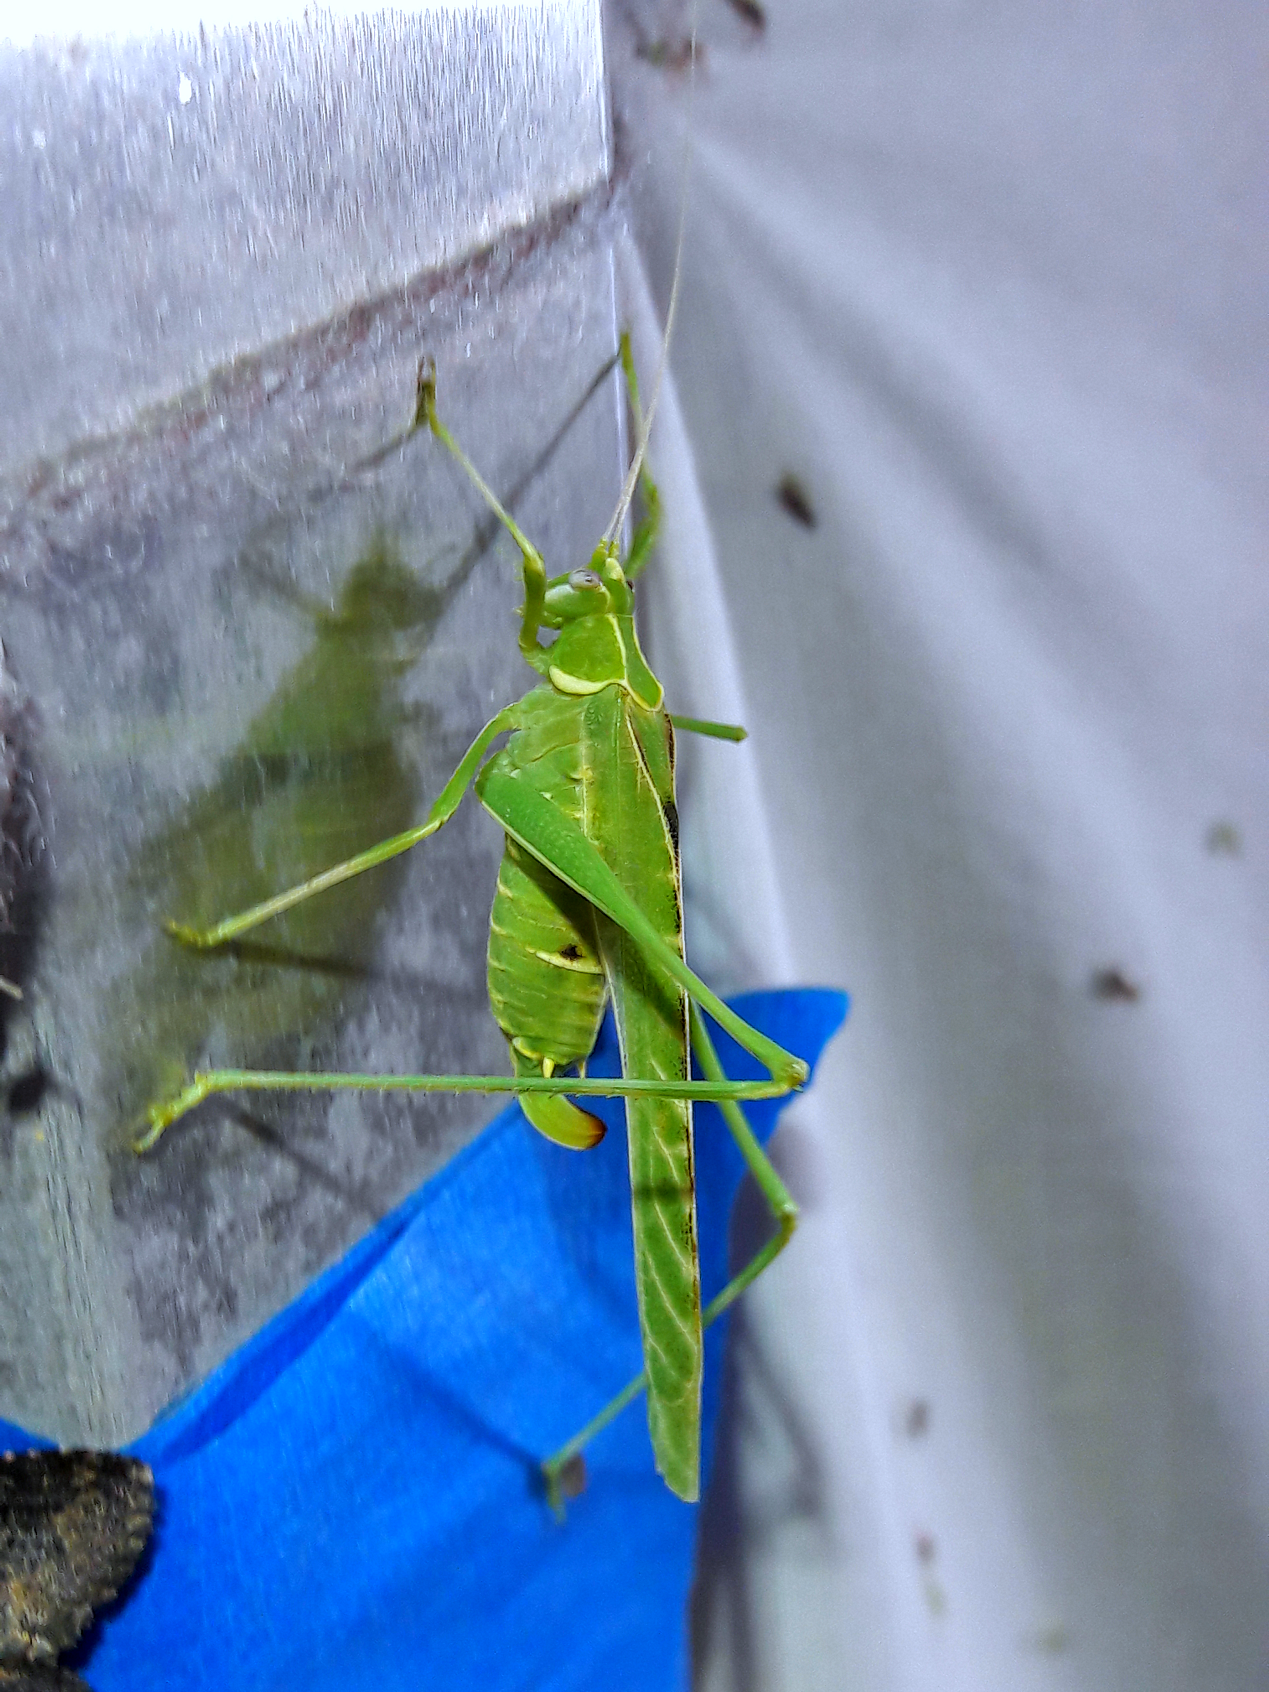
584	579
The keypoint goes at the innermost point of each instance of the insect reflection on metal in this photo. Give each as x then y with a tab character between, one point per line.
321	772
72	1527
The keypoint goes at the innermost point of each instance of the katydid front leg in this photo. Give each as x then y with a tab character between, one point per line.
446	803
533	566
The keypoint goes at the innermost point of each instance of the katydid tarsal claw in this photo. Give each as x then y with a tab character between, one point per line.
587	912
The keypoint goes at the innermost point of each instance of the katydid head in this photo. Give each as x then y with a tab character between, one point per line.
596	645
600	590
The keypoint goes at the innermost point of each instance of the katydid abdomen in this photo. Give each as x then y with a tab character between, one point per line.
546	980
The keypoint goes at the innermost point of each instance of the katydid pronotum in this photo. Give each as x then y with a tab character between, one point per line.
588	909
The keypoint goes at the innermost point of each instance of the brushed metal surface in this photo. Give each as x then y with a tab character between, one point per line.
181	722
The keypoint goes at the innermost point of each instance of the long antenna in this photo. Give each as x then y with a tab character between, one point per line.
636	463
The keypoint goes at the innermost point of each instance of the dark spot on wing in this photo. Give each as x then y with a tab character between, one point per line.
667	1192
571	951
671	813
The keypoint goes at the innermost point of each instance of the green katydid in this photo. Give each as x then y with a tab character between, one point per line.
588	909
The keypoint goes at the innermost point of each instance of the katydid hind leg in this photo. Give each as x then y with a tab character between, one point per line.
779	1199
210	1083
560	1469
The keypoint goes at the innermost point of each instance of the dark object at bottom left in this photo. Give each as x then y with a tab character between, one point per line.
72	1526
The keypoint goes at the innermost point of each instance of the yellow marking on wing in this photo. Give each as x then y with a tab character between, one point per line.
583	966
